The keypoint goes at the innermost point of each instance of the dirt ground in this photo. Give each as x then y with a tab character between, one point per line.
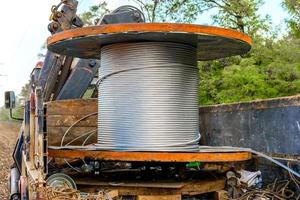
8	136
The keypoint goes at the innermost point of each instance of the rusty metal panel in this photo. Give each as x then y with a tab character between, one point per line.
271	125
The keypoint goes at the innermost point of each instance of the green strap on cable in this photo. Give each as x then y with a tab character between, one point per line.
193	164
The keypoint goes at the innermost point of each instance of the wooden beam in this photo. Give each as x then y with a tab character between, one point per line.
72	107
129	189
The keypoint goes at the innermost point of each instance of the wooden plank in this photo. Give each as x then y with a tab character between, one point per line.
64	113
159	197
72	107
55	135
190	188
143	184
68	120
153	156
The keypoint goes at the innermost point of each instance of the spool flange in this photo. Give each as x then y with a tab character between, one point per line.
211	42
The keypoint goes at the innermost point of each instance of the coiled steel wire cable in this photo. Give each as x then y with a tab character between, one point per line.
148	97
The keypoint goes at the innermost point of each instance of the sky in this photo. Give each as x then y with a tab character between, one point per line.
24	31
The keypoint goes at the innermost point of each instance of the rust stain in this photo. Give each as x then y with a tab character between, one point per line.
149	27
87	70
263	104
152	156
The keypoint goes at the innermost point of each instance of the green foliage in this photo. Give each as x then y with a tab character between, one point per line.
24	94
170	10
4	114
94	14
293	7
155	11
272	70
88	93
240	15
19	110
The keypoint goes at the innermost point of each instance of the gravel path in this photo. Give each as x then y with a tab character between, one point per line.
8	135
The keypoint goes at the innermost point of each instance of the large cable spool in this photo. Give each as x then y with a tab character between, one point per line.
148	97
148	90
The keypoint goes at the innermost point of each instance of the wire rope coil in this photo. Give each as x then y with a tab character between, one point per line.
148	97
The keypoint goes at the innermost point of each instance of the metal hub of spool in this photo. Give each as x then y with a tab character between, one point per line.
149	79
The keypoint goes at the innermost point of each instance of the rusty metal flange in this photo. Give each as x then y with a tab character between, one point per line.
212	42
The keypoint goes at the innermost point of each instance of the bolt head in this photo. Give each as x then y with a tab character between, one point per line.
92	63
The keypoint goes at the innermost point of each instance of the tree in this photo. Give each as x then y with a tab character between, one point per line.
239	15
25	91
170	10
293	7
271	69
154	10
92	16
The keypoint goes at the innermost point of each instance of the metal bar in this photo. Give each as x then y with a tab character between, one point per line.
65	72
27	129
39	132
50	60
33	142
79	79
52	78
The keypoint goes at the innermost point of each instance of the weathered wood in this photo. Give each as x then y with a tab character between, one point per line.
124	189
68	120
159	197
72	107
55	135
63	114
